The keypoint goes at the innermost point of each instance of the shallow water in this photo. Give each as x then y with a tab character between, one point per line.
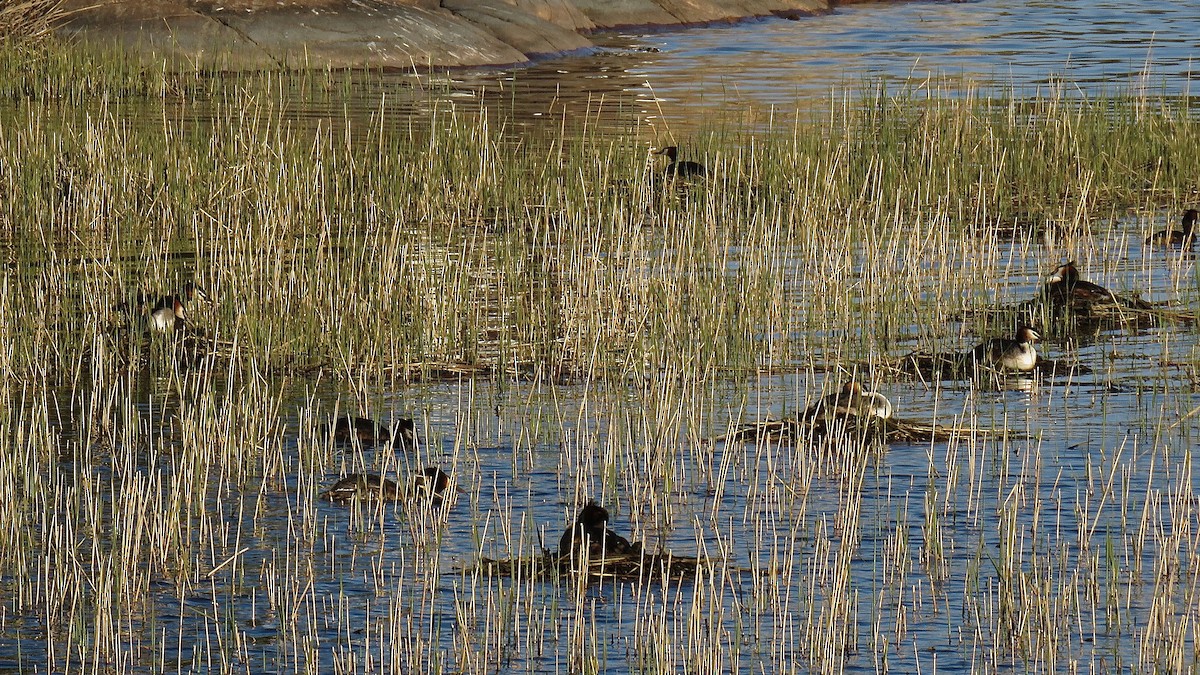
1091	478
758	72
819	570
670	84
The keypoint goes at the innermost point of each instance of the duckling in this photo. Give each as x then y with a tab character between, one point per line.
678	169
1016	353
590	532
1183	237
426	487
370	433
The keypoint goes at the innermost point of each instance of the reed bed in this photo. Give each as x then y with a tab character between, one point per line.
26	22
565	328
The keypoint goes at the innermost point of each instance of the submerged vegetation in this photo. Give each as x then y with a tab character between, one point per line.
583	331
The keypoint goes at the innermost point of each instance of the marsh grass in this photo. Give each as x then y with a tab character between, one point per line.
374	251
160	507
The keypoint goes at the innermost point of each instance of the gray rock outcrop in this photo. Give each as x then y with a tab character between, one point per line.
405	34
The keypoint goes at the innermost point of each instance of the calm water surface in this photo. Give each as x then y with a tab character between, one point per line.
673	79
367	586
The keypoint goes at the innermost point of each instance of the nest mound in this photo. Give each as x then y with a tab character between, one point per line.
930	366
890	430
620	567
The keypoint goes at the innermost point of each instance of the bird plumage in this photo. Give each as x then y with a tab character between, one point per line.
1183	237
1016	353
678	169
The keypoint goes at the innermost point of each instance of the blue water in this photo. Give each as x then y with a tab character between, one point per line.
761	67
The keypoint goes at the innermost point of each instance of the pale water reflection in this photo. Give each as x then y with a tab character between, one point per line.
767	66
667	84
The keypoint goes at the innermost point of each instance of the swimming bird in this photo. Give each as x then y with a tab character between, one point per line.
429	485
1183	237
1065	290
678	169
370	433
1016	353
590	533
426	488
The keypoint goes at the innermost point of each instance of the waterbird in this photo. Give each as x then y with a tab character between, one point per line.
162	319
1182	237
166	311
1064	289
1015	353
590	533
426	488
368	432
851	401
678	169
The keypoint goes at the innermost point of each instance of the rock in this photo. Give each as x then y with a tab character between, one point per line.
406	34
521	30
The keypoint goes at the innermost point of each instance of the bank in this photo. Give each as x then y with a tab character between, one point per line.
234	35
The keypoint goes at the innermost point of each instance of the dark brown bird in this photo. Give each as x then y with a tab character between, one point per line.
1183	237
429	487
426	488
369	433
678	169
1064	290
590	533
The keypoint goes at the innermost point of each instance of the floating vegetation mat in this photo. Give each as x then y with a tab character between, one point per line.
891	430
929	366
1081	318
623	567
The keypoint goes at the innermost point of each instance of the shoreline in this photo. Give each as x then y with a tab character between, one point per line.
248	35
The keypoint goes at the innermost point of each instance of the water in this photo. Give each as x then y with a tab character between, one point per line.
667	85
818	566
672	80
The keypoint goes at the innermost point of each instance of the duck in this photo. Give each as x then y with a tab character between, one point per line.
1183	237
426	488
1006	354
347	428
590	533
1065	290
678	169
